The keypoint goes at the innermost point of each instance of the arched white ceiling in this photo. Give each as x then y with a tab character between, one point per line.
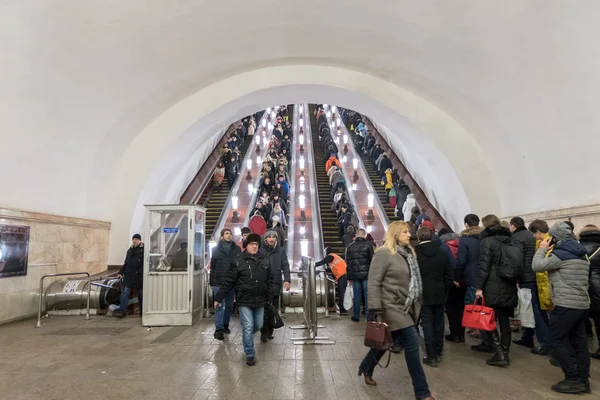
81	81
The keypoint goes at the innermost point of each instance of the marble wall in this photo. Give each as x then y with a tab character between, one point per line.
56	244
580	216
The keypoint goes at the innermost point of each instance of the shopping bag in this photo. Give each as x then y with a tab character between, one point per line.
349	298
525	313
275	319
478	316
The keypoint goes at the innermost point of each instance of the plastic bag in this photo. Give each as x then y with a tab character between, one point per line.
349	297
525	313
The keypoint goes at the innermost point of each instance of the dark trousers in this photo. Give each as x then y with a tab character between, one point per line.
568	341
432	318
342	283
595	316
455	307
540	316
267	328
409	338
502	328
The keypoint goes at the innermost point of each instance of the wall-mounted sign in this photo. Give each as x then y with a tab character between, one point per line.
170	230
14	250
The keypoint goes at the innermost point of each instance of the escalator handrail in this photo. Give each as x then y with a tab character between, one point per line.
316	212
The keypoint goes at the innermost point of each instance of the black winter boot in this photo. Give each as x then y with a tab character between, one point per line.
499	358
226	329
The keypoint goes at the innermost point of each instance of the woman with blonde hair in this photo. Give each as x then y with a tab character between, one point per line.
394	294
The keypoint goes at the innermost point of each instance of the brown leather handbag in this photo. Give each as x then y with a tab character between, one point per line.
379	337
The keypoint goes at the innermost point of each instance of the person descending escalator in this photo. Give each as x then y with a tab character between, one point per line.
337	267
218	176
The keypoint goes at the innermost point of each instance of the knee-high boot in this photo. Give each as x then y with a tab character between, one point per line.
499	358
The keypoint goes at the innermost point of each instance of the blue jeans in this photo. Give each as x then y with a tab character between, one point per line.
540	316
124	302
409	338
223	313
360	289
252	319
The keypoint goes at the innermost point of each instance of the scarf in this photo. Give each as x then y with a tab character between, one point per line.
415	286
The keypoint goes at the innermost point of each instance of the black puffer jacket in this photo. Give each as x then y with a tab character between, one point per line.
591	241
436	273
252	279
278	262
497	292
358	259
223	254
133	268
524	240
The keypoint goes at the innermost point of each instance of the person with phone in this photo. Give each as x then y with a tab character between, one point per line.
568	270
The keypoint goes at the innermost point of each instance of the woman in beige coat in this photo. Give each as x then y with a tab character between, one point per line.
394	294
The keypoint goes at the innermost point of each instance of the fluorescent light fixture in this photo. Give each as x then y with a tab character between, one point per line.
302	187
270	126
354	187
265	141
250	187
273	115
269	110
301	109
370	200
237	231
258	161
355	163
301	122
338	121
302	230
301	138
257	139
249	164
369	228
264	122
344	159
302	201
234	202
325	106
333	109
301	162
345	139
328	114
304	247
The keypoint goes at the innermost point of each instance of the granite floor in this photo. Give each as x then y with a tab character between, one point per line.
108	358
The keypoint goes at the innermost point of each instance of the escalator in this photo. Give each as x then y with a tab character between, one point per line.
375	181
329	223
214	201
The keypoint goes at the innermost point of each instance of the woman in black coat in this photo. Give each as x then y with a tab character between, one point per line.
589	237
498	293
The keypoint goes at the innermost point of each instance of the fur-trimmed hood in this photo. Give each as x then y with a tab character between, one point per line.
472	231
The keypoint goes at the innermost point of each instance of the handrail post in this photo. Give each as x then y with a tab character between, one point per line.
42	296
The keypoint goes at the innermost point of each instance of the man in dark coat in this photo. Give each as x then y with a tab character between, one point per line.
437	278
279	264
358	261
524	240
222	256
251	277
132	273
589	237
498	293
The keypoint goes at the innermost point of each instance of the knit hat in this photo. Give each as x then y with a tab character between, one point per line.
225	230
137	236
428	224
253	238
271	232
562	231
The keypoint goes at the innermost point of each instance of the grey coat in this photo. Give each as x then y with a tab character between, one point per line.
569	277
389	276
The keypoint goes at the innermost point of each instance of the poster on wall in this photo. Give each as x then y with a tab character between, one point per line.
14	250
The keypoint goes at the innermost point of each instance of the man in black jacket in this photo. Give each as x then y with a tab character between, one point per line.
358	261
437	277
279	264
132	273
524	240
251	277
222	256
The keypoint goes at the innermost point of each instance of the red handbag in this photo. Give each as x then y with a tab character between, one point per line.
478	316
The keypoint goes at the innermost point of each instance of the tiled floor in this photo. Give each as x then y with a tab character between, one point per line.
108	358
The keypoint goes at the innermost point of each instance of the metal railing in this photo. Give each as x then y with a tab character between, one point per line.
309	293
42	296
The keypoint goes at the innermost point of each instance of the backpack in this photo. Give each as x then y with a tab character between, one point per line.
354	219
510	266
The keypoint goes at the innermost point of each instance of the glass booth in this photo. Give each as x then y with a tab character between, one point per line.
175	276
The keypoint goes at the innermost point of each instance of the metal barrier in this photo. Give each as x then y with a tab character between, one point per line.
309	293
41	294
